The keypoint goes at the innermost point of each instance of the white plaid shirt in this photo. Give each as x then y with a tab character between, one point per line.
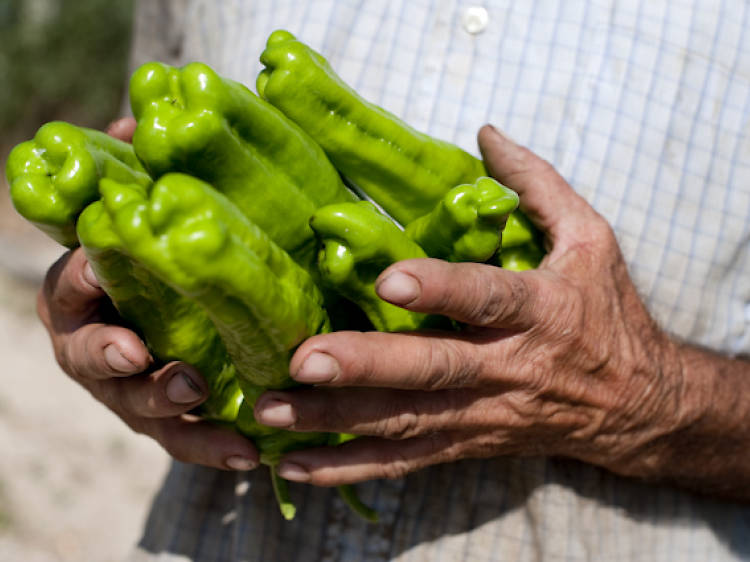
643	105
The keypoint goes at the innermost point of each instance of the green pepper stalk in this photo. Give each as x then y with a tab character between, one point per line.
56	174
191	120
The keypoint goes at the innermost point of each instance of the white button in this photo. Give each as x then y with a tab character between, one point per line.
475	19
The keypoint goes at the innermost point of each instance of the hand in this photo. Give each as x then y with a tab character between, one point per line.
562	360
110	361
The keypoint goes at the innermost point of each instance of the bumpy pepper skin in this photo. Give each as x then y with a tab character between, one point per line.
189	235
467	223
55	175
357	242
173	326
192	120
260	301
405	171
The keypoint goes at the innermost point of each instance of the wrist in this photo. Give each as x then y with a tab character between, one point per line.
702	441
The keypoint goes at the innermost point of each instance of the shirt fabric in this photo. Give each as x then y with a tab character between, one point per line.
643	107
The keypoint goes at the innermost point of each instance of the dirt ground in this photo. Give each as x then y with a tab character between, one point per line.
75	483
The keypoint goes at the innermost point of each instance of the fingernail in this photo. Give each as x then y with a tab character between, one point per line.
117	361
293	471
398	288
499	133
277	413
89	277
181	389
235	462
318	368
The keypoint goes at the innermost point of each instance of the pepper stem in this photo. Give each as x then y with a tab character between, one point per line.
350	497
280	488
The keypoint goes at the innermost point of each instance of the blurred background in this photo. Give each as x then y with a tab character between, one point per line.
75	483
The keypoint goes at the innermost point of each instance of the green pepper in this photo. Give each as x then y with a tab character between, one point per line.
174	327
518	231
191	120
357	242
55	175
522	247
521	258
262	303
405	171
467	223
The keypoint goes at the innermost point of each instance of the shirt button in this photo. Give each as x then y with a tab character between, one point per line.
475	19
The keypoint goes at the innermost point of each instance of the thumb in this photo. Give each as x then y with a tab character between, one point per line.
546	198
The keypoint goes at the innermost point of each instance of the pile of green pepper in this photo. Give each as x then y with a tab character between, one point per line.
236	226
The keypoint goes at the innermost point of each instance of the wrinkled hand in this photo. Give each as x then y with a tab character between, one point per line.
562	360
111	362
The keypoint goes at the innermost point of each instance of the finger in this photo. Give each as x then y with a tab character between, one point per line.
419	361
172	390
546	197
366	459
475	294
122	129
70	295
101	351
392	414
192	440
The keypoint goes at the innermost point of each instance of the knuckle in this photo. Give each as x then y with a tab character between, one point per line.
111	393
336	415
164	434
42	309
599	239
500	302
402	425
442	447
140	426
446	365
172	449
397	467
64	356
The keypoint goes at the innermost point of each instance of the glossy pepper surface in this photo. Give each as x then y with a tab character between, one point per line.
53	176
466	224
357	242
260	301
173	326
405	171
191	120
